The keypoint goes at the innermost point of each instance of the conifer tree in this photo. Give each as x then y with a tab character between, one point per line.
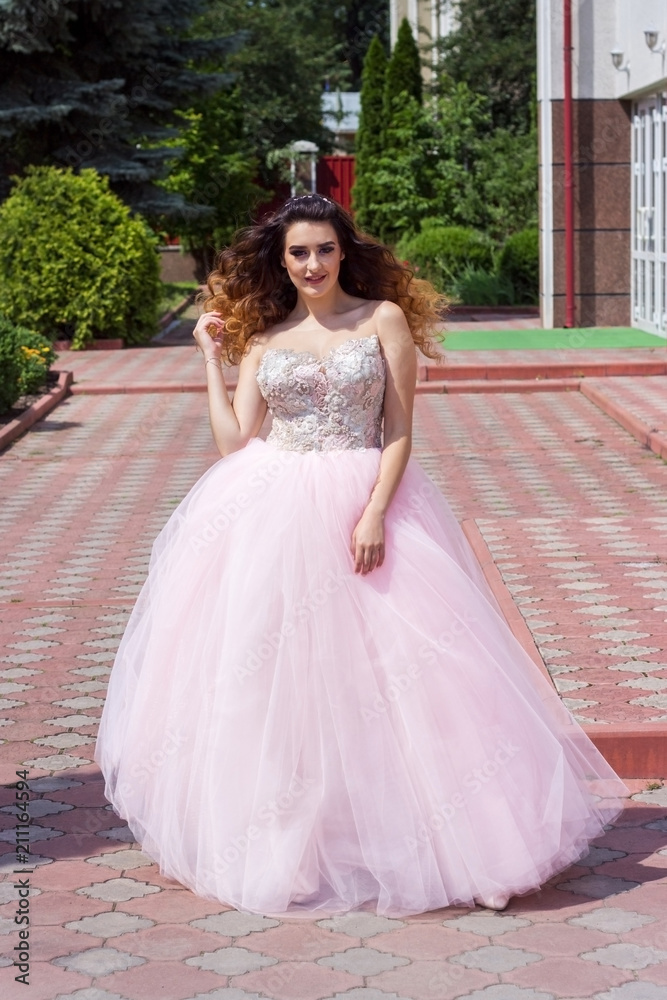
96	85
402	181
369	140
404	75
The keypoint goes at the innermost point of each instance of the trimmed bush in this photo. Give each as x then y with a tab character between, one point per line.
74	262
441	253
519	263
25	359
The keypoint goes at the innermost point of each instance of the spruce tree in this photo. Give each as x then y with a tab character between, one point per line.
96	85
369	140
404	75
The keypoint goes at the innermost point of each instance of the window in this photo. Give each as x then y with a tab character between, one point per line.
649	215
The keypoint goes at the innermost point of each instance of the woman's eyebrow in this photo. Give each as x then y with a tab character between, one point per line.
295	246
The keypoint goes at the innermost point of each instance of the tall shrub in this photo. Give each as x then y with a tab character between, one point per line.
506	180
74	261
402	187
404	75
460	117
403	181
369	138
216	174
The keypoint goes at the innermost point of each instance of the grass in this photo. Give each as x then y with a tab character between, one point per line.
535	340
174	292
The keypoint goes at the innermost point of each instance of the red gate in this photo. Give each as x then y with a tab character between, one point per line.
335	178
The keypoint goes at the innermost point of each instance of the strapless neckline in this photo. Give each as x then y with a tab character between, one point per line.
325	403
325	357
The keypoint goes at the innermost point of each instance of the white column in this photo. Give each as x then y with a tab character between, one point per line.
413	18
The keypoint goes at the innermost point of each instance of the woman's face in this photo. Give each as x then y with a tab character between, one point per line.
312	257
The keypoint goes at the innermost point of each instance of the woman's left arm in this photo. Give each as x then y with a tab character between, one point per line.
401	366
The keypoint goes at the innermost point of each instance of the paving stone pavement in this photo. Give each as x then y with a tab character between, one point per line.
645	398
574	510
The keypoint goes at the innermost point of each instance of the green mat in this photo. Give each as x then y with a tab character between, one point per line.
542	340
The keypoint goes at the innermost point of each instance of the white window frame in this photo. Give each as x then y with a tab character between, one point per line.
649	215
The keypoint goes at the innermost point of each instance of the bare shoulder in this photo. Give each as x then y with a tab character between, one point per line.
392	327
254	349
389	312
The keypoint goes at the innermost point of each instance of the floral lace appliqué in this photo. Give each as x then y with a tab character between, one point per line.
325	404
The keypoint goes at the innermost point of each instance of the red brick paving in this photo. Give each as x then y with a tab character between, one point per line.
573	509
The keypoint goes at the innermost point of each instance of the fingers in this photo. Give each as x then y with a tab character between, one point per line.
368	558
211	323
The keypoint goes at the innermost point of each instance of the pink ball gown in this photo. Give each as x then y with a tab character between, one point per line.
286	736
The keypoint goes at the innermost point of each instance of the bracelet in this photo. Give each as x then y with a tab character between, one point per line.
213	361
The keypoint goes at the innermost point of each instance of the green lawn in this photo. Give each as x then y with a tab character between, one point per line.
536	340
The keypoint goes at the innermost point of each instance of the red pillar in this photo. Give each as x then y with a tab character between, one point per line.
567	159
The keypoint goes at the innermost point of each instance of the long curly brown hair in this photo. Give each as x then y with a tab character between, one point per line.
252	291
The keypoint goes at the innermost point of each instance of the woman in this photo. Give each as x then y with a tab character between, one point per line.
316	705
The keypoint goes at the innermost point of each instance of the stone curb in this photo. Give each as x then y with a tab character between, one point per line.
11	431
509	610
533	370
137	388
650	438
632	750
500	385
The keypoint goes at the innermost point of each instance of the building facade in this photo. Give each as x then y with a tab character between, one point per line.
619	129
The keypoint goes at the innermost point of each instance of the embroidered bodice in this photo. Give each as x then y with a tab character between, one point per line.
324	404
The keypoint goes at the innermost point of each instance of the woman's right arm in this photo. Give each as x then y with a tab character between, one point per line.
232	423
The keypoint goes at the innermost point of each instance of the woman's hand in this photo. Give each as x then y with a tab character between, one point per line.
367	545
208	333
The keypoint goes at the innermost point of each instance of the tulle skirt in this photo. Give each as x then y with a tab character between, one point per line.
286	736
